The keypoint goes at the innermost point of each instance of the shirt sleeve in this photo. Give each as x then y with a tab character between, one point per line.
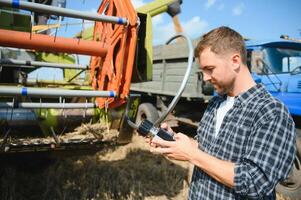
269	153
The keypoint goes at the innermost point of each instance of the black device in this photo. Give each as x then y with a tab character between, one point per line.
147	128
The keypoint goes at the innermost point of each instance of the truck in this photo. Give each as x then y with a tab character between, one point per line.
275	64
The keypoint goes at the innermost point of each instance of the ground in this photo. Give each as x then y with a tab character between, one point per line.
119	172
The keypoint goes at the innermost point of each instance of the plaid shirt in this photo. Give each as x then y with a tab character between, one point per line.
258	135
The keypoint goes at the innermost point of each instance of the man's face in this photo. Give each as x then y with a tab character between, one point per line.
218	70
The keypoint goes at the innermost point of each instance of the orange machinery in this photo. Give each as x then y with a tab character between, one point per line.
113	46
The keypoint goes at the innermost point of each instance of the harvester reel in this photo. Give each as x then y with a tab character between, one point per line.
114	71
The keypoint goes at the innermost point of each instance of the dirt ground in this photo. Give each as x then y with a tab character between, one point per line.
121	172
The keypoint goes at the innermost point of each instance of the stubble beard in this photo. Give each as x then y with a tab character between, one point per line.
224	90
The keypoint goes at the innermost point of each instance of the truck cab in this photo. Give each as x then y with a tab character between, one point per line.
277	65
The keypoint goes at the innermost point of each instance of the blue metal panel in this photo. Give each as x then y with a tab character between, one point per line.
291	100
294	84
273	43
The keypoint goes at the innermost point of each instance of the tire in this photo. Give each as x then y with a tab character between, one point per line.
291	187
147	111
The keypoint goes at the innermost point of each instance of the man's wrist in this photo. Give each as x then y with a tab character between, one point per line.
195	155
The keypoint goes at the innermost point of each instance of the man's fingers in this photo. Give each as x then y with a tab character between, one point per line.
147	140
153	144
160	142
178	135
160	150
164	126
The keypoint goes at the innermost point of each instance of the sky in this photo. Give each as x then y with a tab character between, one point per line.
254	19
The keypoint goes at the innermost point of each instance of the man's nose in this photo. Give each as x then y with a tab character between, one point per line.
206	77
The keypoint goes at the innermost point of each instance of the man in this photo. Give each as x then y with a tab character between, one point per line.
246	139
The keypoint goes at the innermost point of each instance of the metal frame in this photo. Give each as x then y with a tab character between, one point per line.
51	92
53	10
13	63
29	105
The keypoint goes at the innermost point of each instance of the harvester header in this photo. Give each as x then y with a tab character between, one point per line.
113	46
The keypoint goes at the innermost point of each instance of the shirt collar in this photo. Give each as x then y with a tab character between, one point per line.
251	93
244	97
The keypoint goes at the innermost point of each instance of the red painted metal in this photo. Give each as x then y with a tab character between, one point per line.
50	44
114	72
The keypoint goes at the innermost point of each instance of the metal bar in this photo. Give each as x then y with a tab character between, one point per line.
13	62
53	10
51	92
17	66
48	44
5	138
30	105
76	75
69	85
55	137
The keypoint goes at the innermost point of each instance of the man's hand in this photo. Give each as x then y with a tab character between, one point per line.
164	126
186	149
181	149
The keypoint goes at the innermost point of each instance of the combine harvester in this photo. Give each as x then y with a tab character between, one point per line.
36	118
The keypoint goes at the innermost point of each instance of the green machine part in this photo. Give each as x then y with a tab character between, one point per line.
62	121
155	7
150	10
59	58
14	20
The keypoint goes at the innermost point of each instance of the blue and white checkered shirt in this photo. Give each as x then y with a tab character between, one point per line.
258	135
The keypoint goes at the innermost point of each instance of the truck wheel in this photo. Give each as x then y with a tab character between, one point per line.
291	187
147	111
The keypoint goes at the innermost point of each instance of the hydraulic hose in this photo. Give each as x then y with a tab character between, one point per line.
185	79
181	89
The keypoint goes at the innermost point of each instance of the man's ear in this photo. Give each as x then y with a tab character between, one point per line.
236	61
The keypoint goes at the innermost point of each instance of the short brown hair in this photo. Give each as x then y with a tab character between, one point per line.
221	40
